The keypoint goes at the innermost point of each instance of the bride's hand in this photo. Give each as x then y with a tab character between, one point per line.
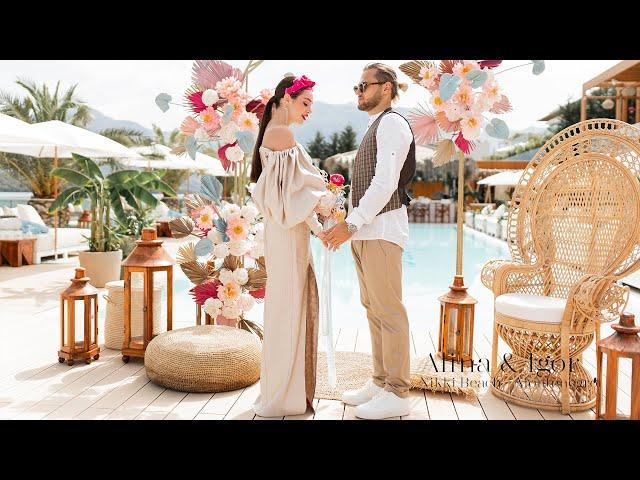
322	236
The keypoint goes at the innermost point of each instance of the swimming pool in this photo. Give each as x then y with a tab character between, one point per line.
428	267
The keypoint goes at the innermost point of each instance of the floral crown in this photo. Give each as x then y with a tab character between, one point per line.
300	83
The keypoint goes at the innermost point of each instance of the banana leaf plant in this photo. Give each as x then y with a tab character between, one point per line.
107	194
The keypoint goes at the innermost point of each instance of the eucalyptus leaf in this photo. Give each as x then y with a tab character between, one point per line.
477	78
203	247
192	147
246	141
228	111
162	101
497	128
448	85
538	67
211	188
221	227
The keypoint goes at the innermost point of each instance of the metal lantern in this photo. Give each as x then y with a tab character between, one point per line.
149	260
624	343
455	339
79	300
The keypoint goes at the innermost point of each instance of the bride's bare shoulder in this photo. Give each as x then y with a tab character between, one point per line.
278	137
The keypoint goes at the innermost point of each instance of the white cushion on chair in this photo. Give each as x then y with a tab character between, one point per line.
535	308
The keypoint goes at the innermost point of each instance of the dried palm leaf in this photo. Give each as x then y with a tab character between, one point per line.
501	106
257	278
231	262
424	126
187	253
261	262
445	124
181	227
445	152
206	73
446	66
197	272
412	69
194	201
251	327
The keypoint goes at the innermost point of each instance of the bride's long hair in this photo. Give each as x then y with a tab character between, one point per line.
286	82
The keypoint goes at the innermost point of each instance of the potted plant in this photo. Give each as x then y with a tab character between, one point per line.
131	229
108	197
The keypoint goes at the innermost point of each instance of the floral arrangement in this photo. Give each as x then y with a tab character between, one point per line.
223	116
462	95
331	204
226	264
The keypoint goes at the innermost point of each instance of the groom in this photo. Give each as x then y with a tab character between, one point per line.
378	227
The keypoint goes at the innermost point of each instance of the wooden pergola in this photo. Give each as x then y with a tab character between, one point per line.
625	78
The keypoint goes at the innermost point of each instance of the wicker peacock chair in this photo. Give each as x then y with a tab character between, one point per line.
573	232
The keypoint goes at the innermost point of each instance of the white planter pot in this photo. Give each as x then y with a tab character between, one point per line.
101	267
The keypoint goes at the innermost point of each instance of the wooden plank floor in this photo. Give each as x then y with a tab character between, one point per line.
111	390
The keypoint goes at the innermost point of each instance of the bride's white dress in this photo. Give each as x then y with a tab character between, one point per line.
286	194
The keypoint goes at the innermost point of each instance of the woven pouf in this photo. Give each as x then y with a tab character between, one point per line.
114	318
205	358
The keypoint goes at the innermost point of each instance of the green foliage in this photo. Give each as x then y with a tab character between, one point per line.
569	113
114	193
339	142
40	104
534	141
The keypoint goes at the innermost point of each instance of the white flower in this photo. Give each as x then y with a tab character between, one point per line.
221	250
234	154
214	236
228	133
241	276
209	97
257	250
249	212
201	135
230	210
246	302
213	306
225	276
231	310
238	248
258	230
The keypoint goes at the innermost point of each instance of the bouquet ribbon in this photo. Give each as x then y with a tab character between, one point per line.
326	326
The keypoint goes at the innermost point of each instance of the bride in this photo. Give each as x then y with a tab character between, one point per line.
288	188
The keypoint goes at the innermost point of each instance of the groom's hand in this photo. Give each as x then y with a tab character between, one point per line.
323	238
337	235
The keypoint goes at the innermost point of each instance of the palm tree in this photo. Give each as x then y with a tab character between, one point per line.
40	104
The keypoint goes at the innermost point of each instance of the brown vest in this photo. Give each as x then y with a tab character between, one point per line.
365	168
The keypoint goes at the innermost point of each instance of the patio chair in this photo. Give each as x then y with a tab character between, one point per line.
573	232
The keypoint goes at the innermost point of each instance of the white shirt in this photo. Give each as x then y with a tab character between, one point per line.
393	139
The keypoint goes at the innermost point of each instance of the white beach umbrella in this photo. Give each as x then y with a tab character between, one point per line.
172	161
14	131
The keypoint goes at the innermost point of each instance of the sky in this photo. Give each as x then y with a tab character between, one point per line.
126	89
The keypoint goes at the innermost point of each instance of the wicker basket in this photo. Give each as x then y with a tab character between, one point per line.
206	358
114	319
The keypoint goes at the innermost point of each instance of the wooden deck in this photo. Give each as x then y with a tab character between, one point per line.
33	385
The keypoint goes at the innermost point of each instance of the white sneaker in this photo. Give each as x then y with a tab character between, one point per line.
361	395
384	405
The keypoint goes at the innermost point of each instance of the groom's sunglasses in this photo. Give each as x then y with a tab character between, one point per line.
362	86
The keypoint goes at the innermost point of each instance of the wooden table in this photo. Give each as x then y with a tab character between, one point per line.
17	252
163	229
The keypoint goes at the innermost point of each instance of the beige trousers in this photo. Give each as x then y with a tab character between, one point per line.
379	267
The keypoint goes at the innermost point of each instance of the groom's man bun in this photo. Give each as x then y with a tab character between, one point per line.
384	73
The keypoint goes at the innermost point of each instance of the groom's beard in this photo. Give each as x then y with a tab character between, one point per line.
371	103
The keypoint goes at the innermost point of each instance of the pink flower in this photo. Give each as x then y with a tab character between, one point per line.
248	121
461	69
228	86
189	126
265	95
492	92
337	179
210	119
204	217
237	229
470	125
464	95
195	99
430	77
437	102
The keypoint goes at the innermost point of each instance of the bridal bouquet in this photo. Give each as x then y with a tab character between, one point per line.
462	95
227	263
331	204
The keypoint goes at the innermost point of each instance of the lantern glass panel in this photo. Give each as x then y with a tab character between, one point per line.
451	337
467	330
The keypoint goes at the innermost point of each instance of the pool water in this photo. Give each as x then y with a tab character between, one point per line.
428	262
